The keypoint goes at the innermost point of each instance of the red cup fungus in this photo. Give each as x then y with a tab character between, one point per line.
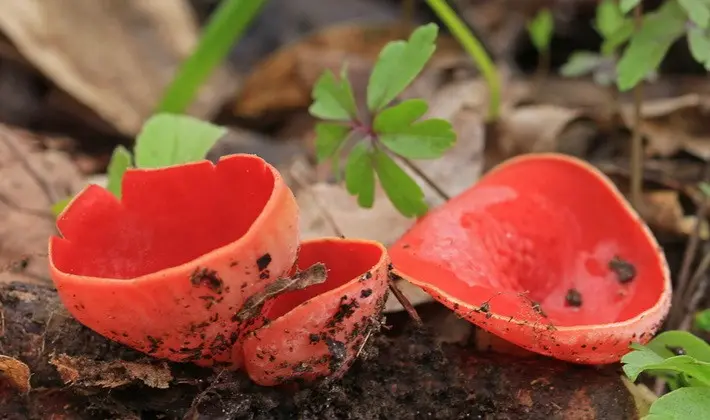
164	269
546	253
318	331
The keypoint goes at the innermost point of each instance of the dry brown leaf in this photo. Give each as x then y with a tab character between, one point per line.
31	180
114	56
674	124
82	371
285	79
662	210
16	373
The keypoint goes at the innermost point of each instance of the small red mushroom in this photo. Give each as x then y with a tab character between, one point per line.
165	269
318	331
546	253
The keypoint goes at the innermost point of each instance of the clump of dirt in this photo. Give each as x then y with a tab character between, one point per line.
404	376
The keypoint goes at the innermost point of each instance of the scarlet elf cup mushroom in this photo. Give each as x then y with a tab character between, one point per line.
164	269
546	253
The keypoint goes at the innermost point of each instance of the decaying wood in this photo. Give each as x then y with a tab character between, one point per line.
403	376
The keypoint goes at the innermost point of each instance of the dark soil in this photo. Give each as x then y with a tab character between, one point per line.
404	376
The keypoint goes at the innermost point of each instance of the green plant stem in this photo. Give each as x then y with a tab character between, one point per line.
224	29
543	69
475	49
636	167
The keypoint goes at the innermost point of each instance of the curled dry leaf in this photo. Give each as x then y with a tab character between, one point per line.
115	57
31	180
674	124
82	371
16	373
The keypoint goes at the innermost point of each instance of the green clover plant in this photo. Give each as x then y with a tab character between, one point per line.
683	360
540	29
374	136
165	140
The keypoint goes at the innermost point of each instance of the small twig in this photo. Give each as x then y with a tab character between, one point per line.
406	304
424	177
695	283
636	166
693	304
688	257
543	68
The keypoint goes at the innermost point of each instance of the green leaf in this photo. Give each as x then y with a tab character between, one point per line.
644	359
423	140
615	39
220	34
59	206
168	139
581	63
704	188
120	161
668	343
681	404
329	139
541	28
627	5
401	115
649	45
609	18
404	193
360	175
398	64
699	44
697	11
333	99
702	320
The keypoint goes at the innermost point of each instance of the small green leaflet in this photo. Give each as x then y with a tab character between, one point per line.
609	18
581	63
644	359
360	175
702	320
541	29
681	404
664	344
60	205
404	193
333	99
168	139
117	166
698	11
627	5
649	45
699	44
329	139
398	130
398	64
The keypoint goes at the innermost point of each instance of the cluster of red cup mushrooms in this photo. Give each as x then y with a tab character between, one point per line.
202	263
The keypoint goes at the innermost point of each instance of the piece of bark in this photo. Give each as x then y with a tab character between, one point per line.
400	376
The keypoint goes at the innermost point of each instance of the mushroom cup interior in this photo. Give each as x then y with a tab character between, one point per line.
166	217
532	231
344	261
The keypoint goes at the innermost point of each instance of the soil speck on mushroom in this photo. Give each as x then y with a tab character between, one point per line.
205	276
538	309
625	271
263	262
573	298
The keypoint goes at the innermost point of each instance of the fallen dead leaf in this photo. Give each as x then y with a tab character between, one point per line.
674	124
285	79
115	57
31	180
16	373
82	371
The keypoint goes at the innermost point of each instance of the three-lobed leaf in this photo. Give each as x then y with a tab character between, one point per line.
648	46
121	160
609	18
399	116
360	175
398	64
668	343
333	99
681	404
427	139
168	139
699	45
541	28
404	193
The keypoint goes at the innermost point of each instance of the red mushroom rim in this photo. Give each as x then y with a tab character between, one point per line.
448	221
168	220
